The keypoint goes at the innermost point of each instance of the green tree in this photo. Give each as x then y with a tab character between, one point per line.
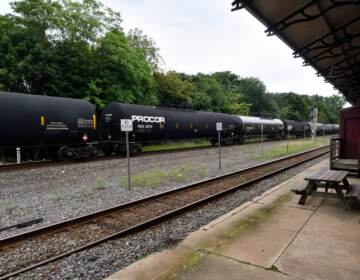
121	73
172	91
147	46
254	92
73	49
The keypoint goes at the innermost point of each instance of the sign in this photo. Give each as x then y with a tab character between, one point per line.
126	125
219	126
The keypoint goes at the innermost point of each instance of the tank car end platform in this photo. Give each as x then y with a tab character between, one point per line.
270	237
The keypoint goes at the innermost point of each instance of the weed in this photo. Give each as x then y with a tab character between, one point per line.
154	178
294	146
176	145
100	184
274	268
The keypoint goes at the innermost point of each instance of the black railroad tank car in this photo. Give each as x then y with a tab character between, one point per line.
251	126
320	129
152	123
61	125
296	128
329	129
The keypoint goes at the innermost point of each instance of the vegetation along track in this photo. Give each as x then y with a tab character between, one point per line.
50	243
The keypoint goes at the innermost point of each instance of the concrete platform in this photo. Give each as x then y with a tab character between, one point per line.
271	237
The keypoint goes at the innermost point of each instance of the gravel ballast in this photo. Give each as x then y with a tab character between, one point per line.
109	257
62	192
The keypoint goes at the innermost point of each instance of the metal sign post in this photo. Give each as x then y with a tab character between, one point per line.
219	129
287	143
314	118
304	135
262	140
126	125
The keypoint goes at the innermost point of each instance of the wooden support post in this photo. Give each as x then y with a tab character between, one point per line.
358	173
306	193
332	141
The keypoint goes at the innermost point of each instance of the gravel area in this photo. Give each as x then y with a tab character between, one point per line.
103	260
63	192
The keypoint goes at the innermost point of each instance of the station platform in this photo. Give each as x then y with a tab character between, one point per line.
271	237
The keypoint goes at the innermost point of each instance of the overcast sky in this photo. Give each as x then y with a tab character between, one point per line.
205	36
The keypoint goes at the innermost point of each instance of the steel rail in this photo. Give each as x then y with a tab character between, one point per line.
146	224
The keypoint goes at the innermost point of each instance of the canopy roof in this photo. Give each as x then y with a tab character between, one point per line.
325	33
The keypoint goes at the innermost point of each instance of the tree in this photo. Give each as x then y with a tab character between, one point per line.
254	92
147	46
121	74
73	49
172	91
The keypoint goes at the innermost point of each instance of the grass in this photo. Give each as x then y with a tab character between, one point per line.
100	184
10	205
274	268
295	146
176	145
154	178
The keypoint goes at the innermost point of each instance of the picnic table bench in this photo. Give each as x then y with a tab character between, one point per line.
329	180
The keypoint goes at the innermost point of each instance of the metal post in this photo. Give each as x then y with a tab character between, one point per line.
262	140
287	143
128	158
219	144
18	155
304	136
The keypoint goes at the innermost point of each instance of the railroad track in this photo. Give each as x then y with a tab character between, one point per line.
48	163
60	240
41	164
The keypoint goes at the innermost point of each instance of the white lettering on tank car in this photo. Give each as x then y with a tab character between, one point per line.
108	117
148	119
56	126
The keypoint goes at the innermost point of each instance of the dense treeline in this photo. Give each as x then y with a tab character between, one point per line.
79	49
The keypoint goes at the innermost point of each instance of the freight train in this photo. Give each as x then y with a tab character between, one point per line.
67	128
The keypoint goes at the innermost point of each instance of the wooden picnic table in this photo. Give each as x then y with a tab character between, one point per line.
330	179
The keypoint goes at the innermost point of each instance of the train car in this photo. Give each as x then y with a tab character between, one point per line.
329	129
61	126
296	128
320	129
152	123
251	126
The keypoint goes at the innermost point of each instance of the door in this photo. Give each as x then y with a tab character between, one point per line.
352	137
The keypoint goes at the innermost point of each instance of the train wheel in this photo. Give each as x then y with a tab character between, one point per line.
107	149
92	151
66	153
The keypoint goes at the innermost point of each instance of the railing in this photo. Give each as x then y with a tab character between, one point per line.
335	149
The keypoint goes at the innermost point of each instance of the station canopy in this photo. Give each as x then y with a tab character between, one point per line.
325	33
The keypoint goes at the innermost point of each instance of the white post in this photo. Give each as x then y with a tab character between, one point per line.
18	155
314	115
